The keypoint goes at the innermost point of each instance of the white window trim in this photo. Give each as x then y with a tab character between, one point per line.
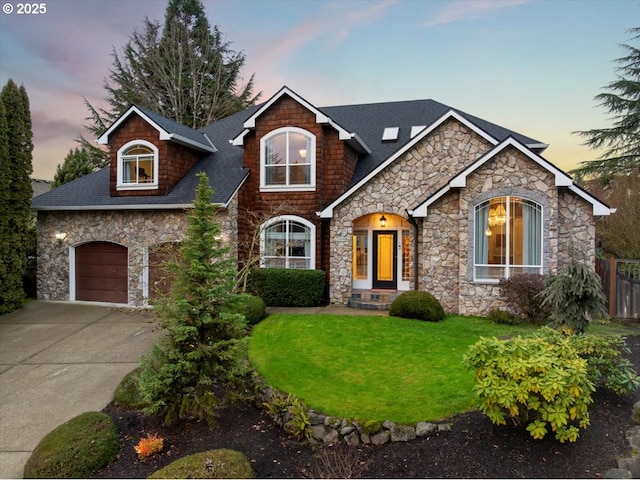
508	266
292	218
120	185
311	154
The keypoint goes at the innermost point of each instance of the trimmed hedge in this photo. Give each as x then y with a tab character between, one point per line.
221	463
417	305
286	287
75	449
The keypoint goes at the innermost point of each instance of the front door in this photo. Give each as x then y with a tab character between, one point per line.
385	259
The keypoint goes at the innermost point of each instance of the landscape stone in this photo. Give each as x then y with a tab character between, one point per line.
316	419
632	464
635	415
380	438
633	436
617	473
319	432
388	424
331	438
344	431
444	427
402	433
365	438
352	439
425	428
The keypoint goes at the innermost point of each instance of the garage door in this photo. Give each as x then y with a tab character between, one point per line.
101	272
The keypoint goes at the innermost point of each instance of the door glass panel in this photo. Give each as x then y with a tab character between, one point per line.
406	256
360	253
385	257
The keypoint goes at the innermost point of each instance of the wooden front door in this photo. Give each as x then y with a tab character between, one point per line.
385	259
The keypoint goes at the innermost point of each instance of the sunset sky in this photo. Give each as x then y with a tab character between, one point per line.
531	66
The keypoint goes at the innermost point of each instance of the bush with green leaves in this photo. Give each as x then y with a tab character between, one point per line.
291	413
220	463
287	287
575	295
502	317
127	393
204	345
417	305
253	308
76	449
522	295
545	381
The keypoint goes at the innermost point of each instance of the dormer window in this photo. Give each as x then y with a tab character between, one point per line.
138	166
288	160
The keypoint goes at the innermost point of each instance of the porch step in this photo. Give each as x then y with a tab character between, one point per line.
372	299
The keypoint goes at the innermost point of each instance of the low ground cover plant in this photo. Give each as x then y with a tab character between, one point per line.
418	305
149	445
221	463
544	381
76	449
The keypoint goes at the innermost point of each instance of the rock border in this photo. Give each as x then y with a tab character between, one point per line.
629	467
329	430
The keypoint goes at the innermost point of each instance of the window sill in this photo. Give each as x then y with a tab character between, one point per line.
139	186
283	188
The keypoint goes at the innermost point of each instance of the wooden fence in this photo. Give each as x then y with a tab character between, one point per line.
621	284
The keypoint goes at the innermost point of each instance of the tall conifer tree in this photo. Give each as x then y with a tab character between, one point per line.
17	194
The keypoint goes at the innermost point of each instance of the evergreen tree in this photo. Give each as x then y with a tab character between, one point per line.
76	164
17	194
184	71
204	345
622	140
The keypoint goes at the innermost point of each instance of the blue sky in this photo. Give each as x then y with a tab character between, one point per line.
530	65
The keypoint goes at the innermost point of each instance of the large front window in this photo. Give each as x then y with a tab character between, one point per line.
138	165
507	238
288	159
288	242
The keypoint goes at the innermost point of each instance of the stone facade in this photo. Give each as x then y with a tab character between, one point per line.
445	236
138	230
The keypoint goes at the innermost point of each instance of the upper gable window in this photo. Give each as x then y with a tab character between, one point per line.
138	166
288	160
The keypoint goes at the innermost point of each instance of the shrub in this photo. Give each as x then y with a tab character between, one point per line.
150	445
575	296
75	449
522	295
285	287
503	317
253	308
291	413
221	463
127	393
418	305
539	383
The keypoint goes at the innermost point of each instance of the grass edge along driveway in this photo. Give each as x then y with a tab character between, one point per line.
372	368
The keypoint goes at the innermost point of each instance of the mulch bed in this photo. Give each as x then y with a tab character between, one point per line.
474	447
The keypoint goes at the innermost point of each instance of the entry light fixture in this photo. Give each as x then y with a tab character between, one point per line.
60	237
383	221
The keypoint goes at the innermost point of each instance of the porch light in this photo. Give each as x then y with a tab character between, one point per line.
383	221
60	237
497	216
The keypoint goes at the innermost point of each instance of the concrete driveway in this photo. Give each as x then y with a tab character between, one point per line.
58	360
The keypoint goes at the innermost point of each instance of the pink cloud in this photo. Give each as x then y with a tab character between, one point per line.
468	10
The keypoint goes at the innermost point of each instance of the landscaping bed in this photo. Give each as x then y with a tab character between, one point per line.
474	447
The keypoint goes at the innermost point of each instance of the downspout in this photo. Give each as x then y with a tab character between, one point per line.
414	222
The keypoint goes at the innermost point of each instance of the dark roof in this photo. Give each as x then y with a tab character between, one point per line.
171	126
224	167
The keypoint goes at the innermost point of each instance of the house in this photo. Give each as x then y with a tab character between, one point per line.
383	197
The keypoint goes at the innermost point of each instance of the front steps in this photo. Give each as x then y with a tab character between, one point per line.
372	299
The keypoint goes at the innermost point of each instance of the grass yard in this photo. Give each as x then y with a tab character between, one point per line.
372	368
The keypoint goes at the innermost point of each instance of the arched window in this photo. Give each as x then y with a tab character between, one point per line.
287	160
507	238
138	165
288	242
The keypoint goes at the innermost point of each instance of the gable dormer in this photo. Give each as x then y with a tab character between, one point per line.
149	154
295	147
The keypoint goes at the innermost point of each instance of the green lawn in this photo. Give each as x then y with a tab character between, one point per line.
372	368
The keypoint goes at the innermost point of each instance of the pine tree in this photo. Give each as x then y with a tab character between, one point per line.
622	140
184	71
17	195
204	345
76	164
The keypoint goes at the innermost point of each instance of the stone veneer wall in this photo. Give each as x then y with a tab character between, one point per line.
401	186
445	236
135	229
